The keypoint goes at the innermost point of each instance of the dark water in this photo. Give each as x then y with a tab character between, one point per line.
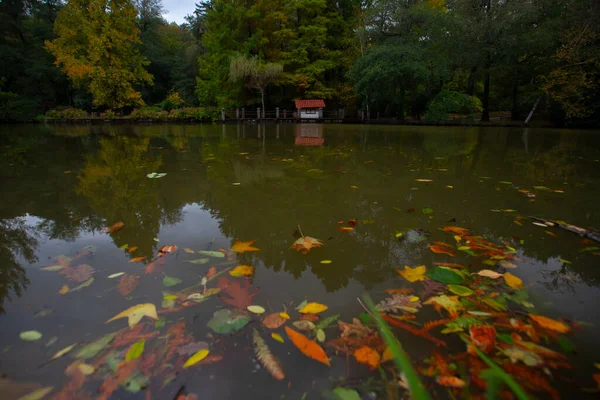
62	184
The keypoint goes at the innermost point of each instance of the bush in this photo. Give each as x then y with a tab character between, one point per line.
67	113
449	101
148	113
172	101
196	114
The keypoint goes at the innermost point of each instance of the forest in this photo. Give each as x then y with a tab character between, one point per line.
400	59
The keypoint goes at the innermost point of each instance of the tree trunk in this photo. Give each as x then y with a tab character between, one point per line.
401	103
471	83
262	95
485	114
515	92
532	110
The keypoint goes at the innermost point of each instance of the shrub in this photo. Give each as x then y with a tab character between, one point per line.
67	113
16	108
449	101
148	113
172	101
195	114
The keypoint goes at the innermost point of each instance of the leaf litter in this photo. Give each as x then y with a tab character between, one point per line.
471	301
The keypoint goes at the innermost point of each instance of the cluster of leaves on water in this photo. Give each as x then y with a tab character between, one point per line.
507	344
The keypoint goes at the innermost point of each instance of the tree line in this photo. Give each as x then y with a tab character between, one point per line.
419	59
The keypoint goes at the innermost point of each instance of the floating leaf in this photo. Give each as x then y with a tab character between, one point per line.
156	175
83	285
192	348
284	315
489	274
227	321
301	305
78	273
169	281
308	347
199	260
277	337
528	358
449	303
64	289
37	394
256	309
128	283
136	313
442	250
544	188
188	250
135	351
345	229
116	275
550	323
137	259
94	348
166	250
450	381
64	351
445	275
305	244
196	358
513	281
321	335
368	356
413	274
242	247
341	393
326	261
237	291
327	321
304	325
53	268
117	226
273	321
424	180
266	358
30	336
132	249
460	290
313	308
215	254
427	210
242	270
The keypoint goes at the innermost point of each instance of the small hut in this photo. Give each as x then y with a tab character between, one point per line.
310	109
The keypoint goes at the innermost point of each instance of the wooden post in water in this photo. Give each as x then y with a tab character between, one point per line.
237	113
298	115
223	114
243	113
284	113
276	112
258	113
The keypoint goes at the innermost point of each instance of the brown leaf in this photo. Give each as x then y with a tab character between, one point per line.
117	226
128	283
237	292
273	321
78	273
211	272
305	244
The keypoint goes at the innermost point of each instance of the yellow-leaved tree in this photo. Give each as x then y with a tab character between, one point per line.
96	46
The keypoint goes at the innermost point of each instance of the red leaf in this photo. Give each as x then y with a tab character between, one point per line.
441	250
78	273
128	283
237	291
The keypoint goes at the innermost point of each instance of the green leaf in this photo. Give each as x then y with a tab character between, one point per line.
365	318
444	275
565	344
160	323
94	348
427	210
460	290
169	281
227	321
216	254
328	321
199	261
135	351
30	336
505	337
83	285
301	305
341	393
52	268
544	188
321	335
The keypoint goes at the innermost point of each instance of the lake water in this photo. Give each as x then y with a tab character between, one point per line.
61	185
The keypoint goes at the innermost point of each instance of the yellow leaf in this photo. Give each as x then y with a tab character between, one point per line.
64	289
284	315
489	274
63	351
242	270
188	250
241	247
413	274
326	261
136	313
387	355
277	337
313	308
37	394
196	358
513	281
86	369
256	309
550	323
413	299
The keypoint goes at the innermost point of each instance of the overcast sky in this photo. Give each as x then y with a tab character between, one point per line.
177	9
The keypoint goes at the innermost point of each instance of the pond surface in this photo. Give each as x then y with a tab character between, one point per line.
61	185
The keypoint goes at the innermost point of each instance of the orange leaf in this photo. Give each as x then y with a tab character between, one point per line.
305	244
137	259
211	272
449	265
166	250
441	250
549	323
114	227
450	381
308	347
132	249
273	321
241	247
64	289
345	229
368	356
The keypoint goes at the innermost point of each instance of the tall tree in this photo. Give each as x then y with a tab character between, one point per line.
97	48
255	74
